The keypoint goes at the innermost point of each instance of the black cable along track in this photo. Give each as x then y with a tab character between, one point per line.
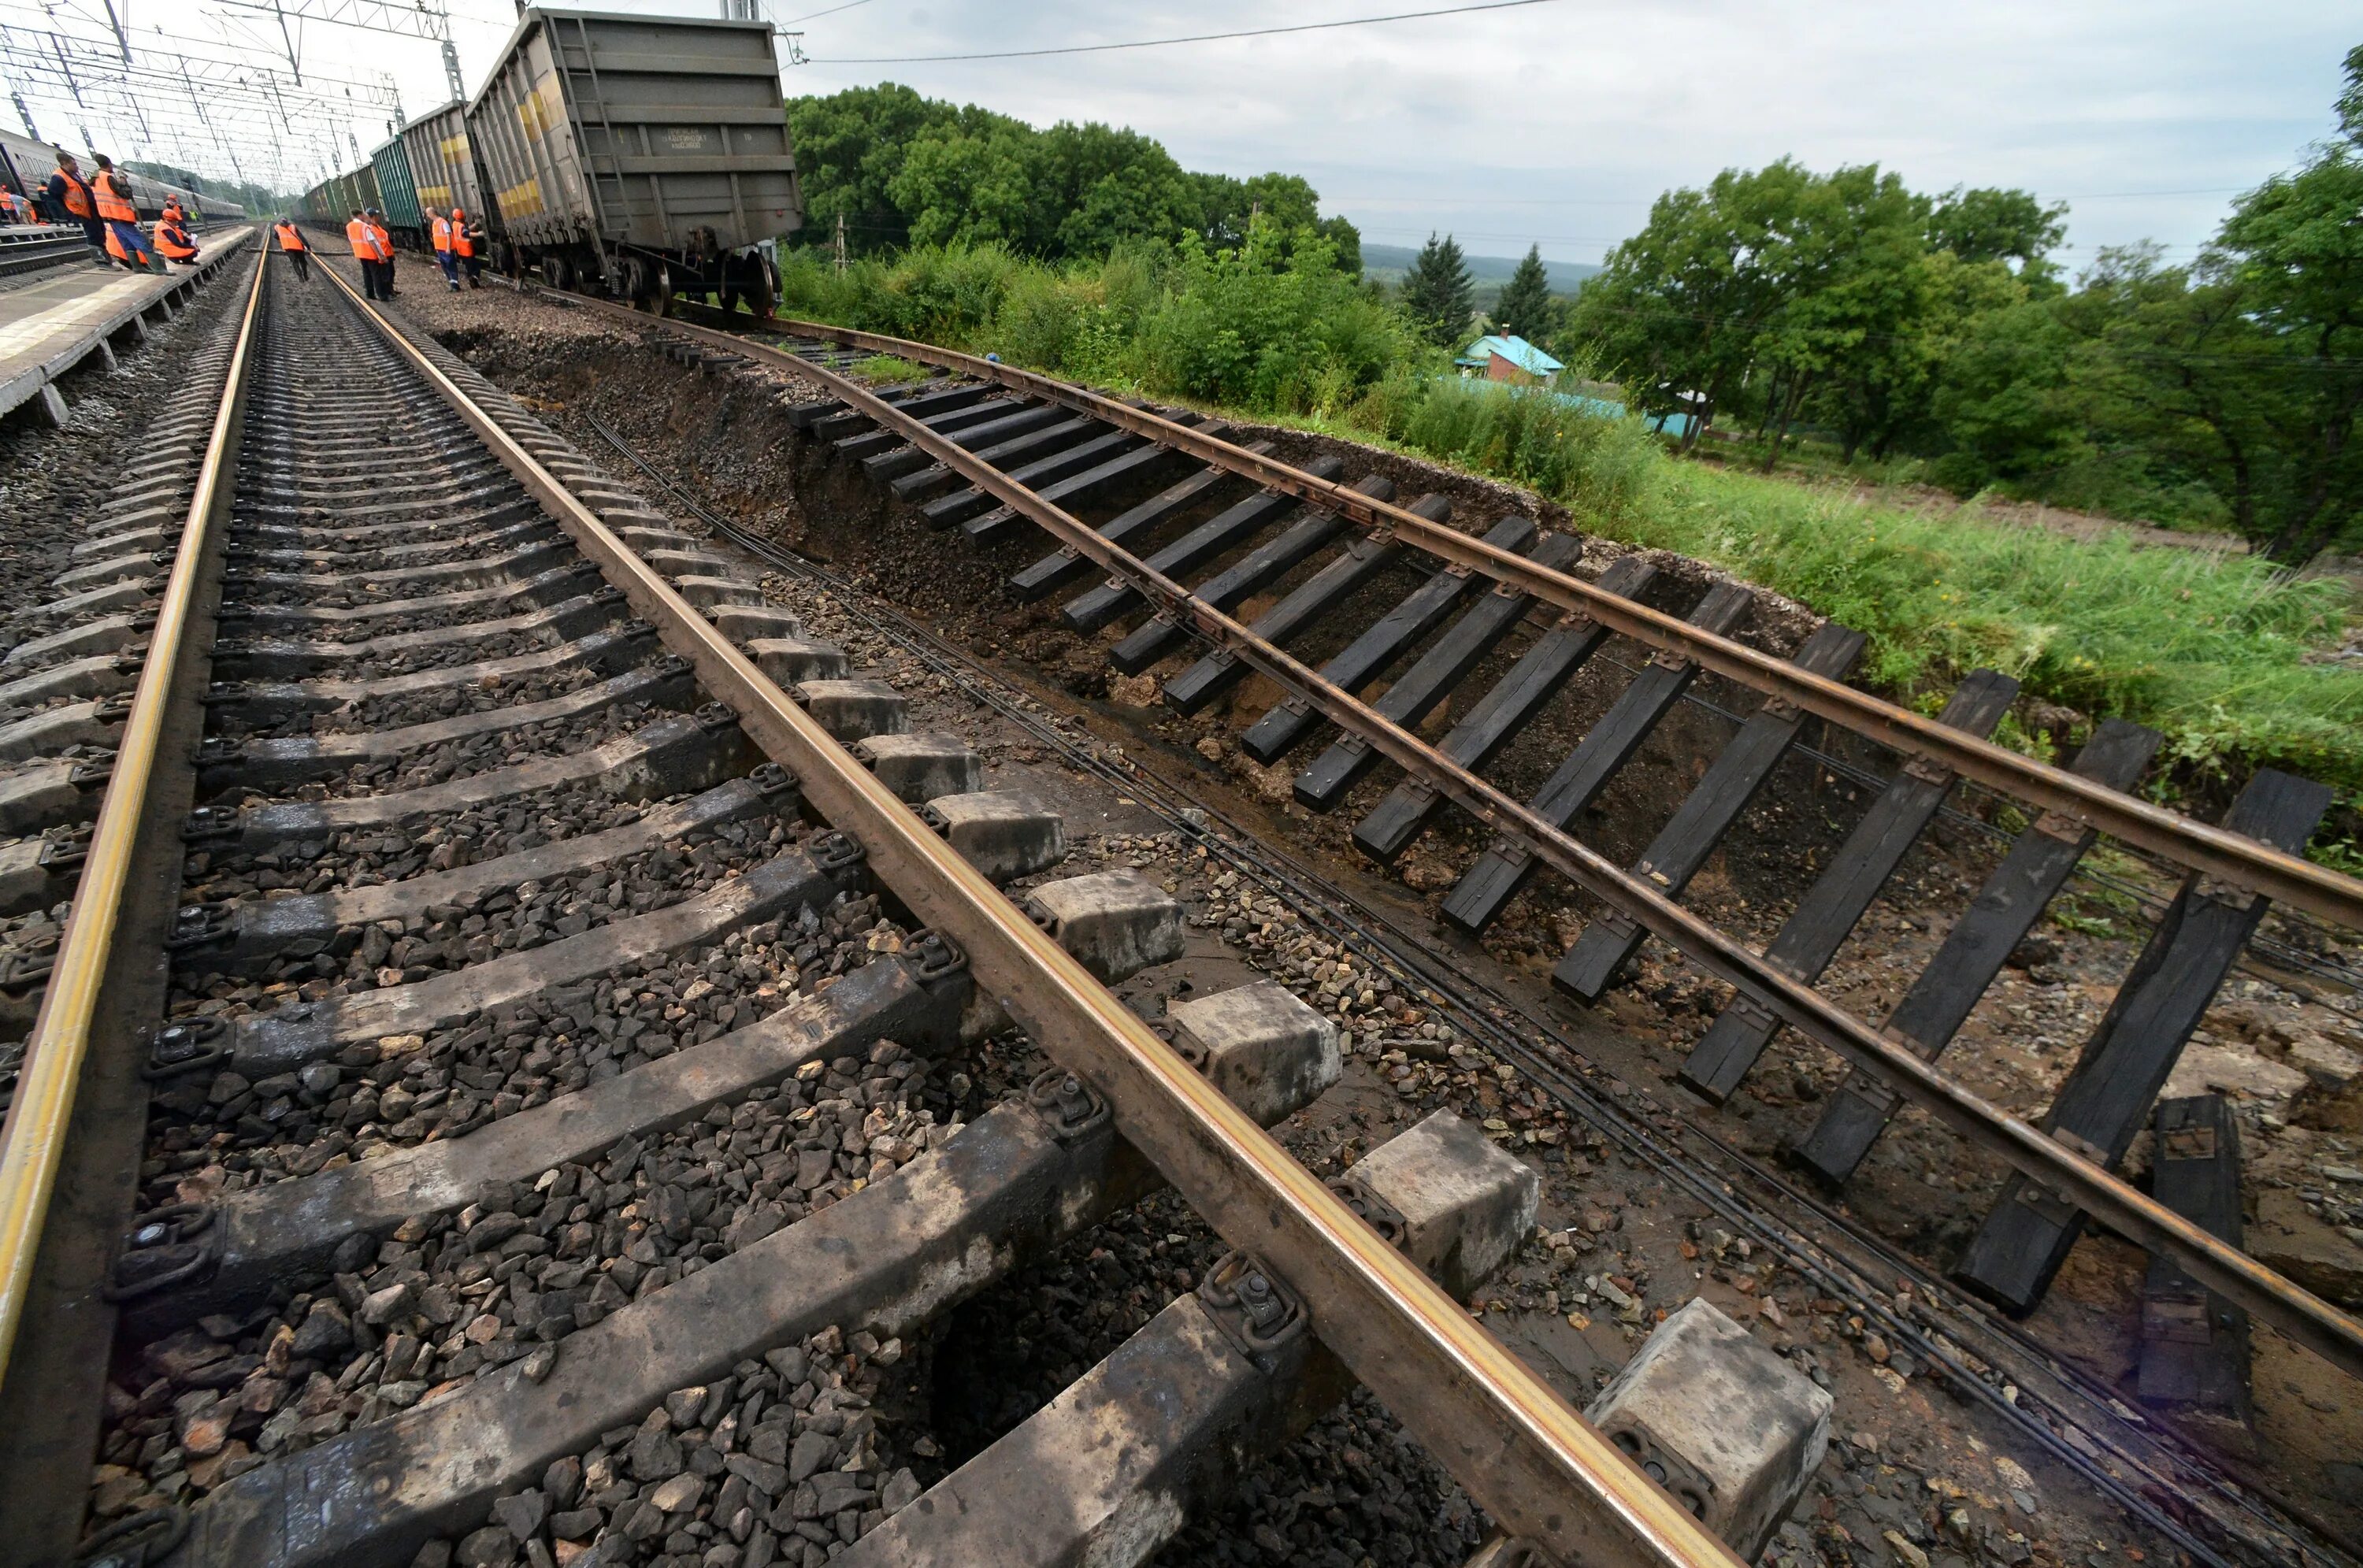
2250	1533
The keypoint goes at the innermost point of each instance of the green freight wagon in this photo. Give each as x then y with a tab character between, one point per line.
398	194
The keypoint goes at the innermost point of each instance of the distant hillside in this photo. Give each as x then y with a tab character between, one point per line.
1389	262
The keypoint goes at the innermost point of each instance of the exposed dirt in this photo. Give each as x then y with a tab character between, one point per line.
1944	1479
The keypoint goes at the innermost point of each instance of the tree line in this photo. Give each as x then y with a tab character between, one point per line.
901	169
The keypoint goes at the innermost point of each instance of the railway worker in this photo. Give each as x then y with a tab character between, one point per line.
113	192
174	211
71	200
444	257
384	249
468	246
172	240
291	245
370	253
16	208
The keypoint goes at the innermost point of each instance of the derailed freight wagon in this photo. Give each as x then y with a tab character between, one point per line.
443	162
398	194
640	157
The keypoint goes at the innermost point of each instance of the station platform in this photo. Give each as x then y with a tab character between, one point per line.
49	326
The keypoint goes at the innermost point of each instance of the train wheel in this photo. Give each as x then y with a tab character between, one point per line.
663	301
557	273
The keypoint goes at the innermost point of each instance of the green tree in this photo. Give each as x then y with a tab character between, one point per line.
967	187
1438	293
1987	224
1096	187
1845	260
2247	371
903	170
2001	398
1682	306
1227	205
1526	308
850	147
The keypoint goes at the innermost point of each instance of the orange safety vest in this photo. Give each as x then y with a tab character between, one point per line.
364	241
174	240
384	242
288	238
442	234
78	197
115	249
460	239
113	201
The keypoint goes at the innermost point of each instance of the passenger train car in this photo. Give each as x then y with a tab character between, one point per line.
26	166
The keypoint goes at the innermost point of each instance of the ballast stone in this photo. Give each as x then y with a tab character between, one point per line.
1466	1202
1001	832
1259	1044
855	709
1731	1430
922	767
1115	923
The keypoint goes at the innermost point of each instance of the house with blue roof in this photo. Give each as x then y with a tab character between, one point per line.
1499	357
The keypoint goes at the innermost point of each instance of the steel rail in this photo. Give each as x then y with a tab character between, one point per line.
2200	847
2335	1335
33	1140
1521	1451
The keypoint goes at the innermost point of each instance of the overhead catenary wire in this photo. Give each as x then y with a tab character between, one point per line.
1188	38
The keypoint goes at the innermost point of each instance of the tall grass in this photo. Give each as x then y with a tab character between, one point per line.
2222	654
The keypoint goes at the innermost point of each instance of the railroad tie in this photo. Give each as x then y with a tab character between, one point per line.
1496	876
1523	691
1706	813
2131	1054
1840	896
2039	863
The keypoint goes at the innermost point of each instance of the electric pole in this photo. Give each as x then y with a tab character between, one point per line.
841	242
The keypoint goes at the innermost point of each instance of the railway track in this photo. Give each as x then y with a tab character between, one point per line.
560	1021
998	453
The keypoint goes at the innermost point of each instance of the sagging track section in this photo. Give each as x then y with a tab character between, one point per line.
2230	873
351	562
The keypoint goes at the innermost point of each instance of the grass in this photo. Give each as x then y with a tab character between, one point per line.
886	370
2211	651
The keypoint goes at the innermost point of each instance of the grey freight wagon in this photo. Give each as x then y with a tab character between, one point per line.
444	163
640	157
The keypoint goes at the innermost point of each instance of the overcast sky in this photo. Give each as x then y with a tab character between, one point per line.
1558	122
